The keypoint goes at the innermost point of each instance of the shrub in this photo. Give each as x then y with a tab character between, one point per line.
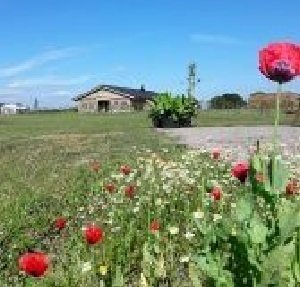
169	111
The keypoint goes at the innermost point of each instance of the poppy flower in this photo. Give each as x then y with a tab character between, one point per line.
216	193
216	154
291	188
95	166
34	263
93	234
154	226
125	169
130	191
240	171
280	62
110	188
60	223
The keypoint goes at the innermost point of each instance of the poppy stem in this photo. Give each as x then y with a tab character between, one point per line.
277	113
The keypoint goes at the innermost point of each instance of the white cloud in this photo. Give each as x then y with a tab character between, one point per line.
37	61
215	39
50	81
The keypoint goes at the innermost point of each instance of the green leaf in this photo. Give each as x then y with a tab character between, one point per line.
243	210
118	280
258	231
193	275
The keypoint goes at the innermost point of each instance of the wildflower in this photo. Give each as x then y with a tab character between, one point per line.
143	281
198	214
34	264
154	225
259	177
60	223
93	234
125	169
130	191
240	171
290	188
110	188
103	269
86	267
174	230
184	259
217	217
216	153
95	166
189	235
216	193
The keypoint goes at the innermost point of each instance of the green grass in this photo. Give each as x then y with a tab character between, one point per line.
44	174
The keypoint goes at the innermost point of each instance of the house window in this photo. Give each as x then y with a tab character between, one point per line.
116	103
124	103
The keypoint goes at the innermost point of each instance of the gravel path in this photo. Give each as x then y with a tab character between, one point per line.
237	140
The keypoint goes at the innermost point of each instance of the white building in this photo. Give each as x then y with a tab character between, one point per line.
12	109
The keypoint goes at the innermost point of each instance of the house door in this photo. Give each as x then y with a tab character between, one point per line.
103	106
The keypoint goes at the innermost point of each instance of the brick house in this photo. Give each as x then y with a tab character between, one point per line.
108	98
289	102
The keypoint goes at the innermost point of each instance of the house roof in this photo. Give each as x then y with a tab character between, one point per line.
126	92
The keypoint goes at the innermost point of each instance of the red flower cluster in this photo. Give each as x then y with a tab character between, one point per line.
240	171
34	263
280	62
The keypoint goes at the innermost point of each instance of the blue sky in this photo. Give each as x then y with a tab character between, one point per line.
55	49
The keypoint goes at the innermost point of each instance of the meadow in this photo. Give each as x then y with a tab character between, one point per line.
159	205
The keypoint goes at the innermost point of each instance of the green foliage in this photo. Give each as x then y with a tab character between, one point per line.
227	101
240	249
179	110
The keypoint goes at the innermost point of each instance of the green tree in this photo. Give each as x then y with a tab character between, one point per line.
227	101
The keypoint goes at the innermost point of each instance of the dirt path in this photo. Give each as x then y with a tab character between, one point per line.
237	140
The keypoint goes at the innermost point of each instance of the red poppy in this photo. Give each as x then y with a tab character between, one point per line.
125	169
292	187
34	264
240	171
216	193
110	188
60	223
154	225
95	166
93	234
280	62
130	191
216	154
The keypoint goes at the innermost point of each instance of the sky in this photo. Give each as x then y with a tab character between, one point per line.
55	50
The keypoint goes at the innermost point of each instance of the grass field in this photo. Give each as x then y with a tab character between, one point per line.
45	174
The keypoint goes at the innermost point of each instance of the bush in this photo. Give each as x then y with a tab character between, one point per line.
168	111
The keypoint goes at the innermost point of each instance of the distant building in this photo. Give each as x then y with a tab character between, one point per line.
108	98
12	109
289	102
